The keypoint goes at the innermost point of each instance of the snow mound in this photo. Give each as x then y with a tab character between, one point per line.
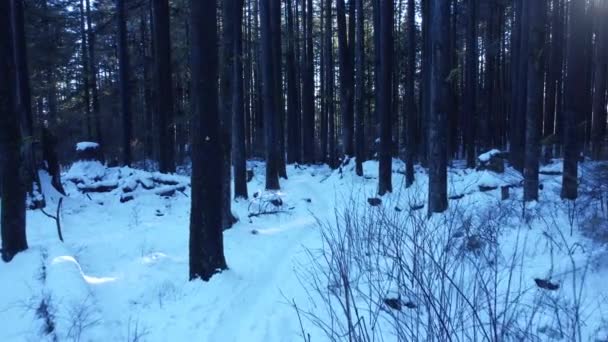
86	145
485	157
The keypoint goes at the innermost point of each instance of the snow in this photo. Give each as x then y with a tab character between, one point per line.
122	273
85	145
485	157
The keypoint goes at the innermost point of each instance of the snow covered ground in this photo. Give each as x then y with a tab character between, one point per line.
122	273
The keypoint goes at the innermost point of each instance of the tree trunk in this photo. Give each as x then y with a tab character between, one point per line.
384	97
93	78
24	106
206	238
598	130
164	85
226	98
268	93
574	88
293	107
12	186
440	58
84	53
277	63
470	97
360	86
239	160
125	88
534	108
308	101
410	102
346	81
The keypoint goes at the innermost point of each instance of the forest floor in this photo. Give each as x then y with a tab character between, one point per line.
122	272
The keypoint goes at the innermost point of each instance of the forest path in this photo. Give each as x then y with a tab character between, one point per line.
141	248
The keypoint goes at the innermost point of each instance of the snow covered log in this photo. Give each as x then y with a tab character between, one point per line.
493	160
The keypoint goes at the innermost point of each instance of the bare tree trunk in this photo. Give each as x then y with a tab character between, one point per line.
206	238
440	58
12	186
534	108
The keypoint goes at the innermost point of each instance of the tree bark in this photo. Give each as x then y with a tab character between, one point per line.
360	86
440	59
268	93
534	108
12	186
163	85
206	238
308	101
346	81
574	88
410	101
470	97
239	160
293	107
384	97
125	96
598	129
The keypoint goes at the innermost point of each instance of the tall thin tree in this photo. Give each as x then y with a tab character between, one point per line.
12	187
574	87
206	238
359	86
268	93
534	107
437	134
384	94
239	158
125	97
163	84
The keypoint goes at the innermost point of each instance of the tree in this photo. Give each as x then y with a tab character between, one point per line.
329	135
410	102
470	92
23	104
84	53
206	239
554	77
574	88
93	75
437	134
293	101
12	187
268	93
239	160
601	71
359	86
226	102
163	82
308	100
384	96
346	81
518	119
534	107
125	104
